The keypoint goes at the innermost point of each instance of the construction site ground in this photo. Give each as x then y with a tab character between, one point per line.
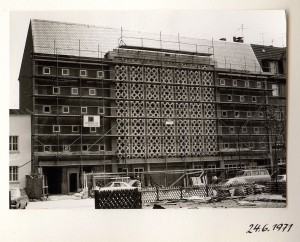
251	201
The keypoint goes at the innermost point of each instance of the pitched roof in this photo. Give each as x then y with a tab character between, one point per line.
268	52
51	37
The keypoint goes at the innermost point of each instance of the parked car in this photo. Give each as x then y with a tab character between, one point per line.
234	180
250	176
135	183
19	198
116	186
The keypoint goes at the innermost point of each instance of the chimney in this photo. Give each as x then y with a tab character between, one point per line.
238	39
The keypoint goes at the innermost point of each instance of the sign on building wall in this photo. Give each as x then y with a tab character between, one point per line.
91	121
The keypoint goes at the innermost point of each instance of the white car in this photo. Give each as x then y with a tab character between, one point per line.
250	176
111	186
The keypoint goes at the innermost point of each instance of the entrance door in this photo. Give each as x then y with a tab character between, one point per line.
73	182
54	178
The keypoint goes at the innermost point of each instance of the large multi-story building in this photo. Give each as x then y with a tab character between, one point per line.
109	100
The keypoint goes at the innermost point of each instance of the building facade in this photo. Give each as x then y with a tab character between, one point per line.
19	147
111	101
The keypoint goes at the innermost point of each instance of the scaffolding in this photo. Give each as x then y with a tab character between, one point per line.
165	102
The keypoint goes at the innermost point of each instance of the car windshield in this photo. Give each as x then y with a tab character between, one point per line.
240	173
109	184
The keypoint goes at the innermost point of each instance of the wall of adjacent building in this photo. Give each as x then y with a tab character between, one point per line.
20	125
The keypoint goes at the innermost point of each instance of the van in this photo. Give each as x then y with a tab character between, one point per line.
250	176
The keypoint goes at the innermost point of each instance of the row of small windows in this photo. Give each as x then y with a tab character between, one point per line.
243	130
235	83
237	114
242	98
74	91
48	148
240	145
66	72
75	129
66	109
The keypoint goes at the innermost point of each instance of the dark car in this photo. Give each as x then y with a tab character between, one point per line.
19	198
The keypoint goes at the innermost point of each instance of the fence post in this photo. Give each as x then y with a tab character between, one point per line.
181	196
157	193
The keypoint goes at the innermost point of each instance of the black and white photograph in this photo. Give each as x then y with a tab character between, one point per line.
118	118
112	114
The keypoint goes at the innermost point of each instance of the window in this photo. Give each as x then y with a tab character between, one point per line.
211	167
231	130
65	72
46	70
222	82
101	110
261	114
254	99
65	109
123	170
83	109
137	172
92	91
244	130
256	130
56	90
66	147
46	109
239	145
13	173
84	148
251	145
242	98
234	83
247	84
102	147
56	128
74	91
225	145
236	114
92	129
229	98
75	129
100	74
47	148
198	167
258	84
13	143
249	114
83	73
224	114
90	119
275	90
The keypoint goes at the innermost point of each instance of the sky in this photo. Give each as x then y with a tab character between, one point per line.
266	27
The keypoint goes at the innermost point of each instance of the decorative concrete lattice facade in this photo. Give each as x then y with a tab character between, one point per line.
165	112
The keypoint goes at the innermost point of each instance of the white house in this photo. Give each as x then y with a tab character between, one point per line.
19	147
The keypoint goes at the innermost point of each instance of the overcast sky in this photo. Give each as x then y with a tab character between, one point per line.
260	27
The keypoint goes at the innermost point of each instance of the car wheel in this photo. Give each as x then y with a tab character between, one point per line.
19	207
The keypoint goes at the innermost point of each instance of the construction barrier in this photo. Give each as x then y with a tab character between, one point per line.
118	199
223	190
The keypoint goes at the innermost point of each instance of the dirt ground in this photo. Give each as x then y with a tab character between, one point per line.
253	201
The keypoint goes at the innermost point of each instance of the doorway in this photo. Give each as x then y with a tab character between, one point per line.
73	182
54	178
